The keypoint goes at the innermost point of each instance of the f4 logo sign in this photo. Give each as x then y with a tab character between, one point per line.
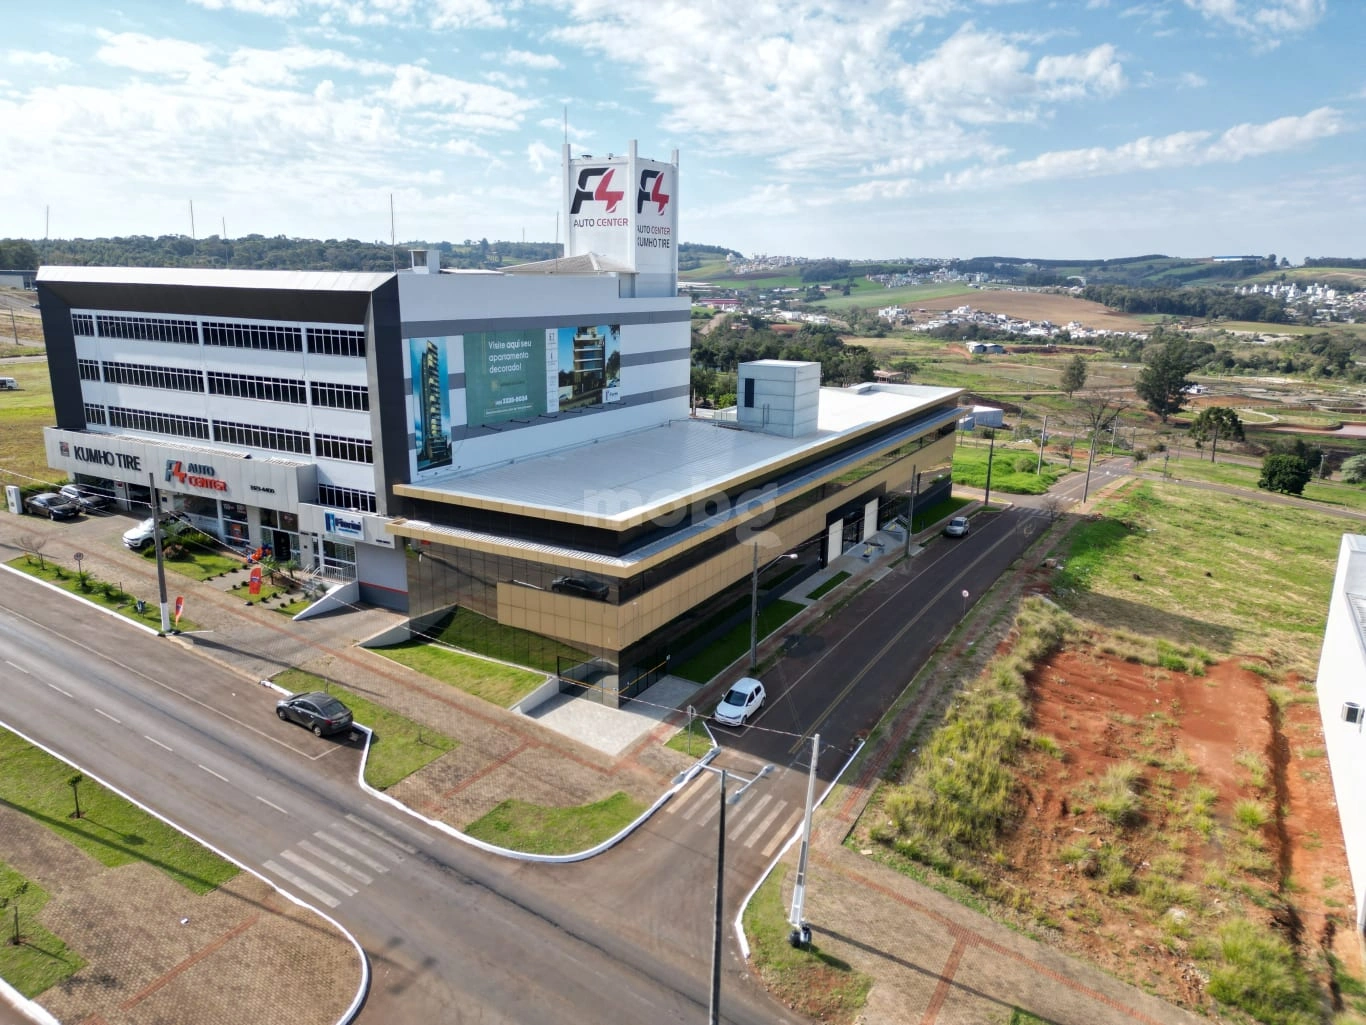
601	193
651	190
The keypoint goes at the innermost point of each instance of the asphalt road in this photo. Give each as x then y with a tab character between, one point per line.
453	935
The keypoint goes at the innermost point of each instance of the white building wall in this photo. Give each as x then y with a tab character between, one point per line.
1342	679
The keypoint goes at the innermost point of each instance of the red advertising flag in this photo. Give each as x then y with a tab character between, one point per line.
255	586
179	607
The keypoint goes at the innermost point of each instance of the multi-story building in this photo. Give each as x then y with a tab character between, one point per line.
514	448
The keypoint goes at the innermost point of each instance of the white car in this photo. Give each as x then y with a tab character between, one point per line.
743	700
139	537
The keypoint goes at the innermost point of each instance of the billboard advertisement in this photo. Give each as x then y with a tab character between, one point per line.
431	402
589	360
656	199
505	376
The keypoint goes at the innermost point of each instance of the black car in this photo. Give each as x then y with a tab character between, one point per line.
86	497
53	506
321	713
583	587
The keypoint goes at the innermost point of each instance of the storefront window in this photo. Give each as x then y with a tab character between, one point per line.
339	560
234	512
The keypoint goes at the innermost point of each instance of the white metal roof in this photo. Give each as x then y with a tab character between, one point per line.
201	277
619	477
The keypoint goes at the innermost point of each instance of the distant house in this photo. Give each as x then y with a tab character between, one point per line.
985	348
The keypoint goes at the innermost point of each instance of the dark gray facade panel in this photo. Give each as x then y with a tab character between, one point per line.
328	307
445	328
640	359
390	413
461	433
383	597
61	360
455	382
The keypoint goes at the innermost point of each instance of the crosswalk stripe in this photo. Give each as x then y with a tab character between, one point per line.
709	810
335	862
303	884
382	834
382	849
742	821
346	848
762	828
346	889
781	835
689	797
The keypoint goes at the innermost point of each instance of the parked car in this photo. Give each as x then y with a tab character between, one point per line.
319	712
957	527
87	497
583	587
743	700
139	537
53	506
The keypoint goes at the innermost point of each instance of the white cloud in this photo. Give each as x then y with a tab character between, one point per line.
537	61
1267	20
174	58
36	59
542	156
1179	149
1192	80
436	14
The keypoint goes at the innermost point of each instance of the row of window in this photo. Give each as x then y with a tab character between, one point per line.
275	439
173	378
322	341
346	498
245	386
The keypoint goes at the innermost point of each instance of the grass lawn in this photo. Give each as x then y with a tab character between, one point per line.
400	746
926	516
498	684
874	296
810	981
533	829
485	636
1234	575
294	607
40	960
100	592
970	468
691	740
829	585
702	667
23	415
1343	496
268	591
196	564
110	829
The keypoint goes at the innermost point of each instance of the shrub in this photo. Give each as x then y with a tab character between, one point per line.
1251	814
1118	799
1025	464
1258	973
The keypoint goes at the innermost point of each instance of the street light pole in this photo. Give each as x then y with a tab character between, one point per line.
1043	437
754	613
910	511
161	566
714	1004
801	932
991	452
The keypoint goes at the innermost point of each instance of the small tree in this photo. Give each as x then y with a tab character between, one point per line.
1073	375
1162	382
1284	473
1216	423
32	545
1354	470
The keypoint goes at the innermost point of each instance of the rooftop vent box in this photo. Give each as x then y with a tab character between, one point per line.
1352	712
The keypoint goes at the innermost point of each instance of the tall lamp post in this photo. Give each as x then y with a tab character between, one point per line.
714	1004
754	605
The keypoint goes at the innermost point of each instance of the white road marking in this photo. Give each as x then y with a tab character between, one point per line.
689	796
747	815
271	804
781	835
158	743
710	808
59	690
347	890
100	711
212	773
763	826
302	884
382	834
18	667
360	856
335	862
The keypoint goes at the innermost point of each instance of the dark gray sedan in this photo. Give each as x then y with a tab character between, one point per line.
53	506
319	712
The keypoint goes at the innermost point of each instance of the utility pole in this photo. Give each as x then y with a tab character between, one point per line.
801	932
714	1004
1043	437
161	565
990	453
910	509
13	326
1071	448
754	612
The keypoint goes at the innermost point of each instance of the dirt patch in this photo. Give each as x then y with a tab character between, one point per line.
1134	892
1059	309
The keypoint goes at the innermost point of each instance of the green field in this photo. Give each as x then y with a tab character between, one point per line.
1326	493
874	296
535	829
23	415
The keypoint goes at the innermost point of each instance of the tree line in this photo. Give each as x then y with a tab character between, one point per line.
716	356
1188	302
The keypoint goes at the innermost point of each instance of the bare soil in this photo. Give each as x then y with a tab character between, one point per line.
1059	309
1182	732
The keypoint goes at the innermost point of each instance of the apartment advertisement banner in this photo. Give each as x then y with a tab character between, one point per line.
505	376
431	402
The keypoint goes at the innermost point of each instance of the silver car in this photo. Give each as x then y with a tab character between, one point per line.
957	527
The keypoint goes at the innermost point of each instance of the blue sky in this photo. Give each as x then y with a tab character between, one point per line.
855	128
